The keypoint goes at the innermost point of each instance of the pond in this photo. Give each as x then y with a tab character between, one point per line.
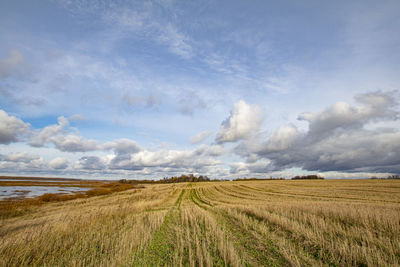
34	191
38	180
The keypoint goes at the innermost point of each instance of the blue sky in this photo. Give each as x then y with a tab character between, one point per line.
146	89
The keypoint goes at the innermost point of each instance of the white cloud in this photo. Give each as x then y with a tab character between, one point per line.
44	136
122	146
144	21
21	162
74	143
58	135
21	157
337	140
11	128
76	117
90	163
245	168
283	138
244	121
165	158
200	137
59	163
178	42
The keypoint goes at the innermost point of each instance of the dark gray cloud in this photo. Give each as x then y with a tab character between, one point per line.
374	107
124	162
340	138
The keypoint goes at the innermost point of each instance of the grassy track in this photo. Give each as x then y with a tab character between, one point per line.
247	223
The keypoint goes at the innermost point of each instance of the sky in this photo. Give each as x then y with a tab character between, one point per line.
227	89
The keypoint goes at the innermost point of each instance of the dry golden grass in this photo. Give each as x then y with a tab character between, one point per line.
16	207
246	223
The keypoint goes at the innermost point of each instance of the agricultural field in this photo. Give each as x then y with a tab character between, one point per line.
241	223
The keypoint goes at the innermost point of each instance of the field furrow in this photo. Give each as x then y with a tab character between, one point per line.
244	223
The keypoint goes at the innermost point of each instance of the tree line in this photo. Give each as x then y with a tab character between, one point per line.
308	177
168	180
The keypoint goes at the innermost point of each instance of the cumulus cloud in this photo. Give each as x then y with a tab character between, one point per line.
22	161
341	138
244	121
165	158
11	128
58	135
245	168
209	150
283	138
21	157
122	146
337	139
44	136
373	107
90	163
200	137
61	137
59	163
74	143
25	162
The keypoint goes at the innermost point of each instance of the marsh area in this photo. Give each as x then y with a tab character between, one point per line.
18	188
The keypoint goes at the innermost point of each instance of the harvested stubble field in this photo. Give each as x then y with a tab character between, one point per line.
246	223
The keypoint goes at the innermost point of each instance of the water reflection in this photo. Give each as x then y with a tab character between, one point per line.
34	191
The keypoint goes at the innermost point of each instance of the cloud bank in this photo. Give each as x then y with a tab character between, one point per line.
344	138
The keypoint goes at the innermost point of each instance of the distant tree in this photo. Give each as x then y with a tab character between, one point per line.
308	177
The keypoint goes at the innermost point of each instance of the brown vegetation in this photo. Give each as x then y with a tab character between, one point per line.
17	207
241	223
